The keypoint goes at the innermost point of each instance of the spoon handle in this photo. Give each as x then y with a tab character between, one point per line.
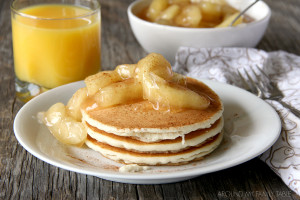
243	12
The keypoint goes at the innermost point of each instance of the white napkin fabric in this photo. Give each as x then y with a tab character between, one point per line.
221	64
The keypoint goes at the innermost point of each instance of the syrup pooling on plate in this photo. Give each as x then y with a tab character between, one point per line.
192	13
151	79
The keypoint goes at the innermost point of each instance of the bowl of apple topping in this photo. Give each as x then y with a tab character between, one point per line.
163	26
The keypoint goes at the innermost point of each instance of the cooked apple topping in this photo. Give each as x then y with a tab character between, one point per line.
161	85
64	127
150	79
192	13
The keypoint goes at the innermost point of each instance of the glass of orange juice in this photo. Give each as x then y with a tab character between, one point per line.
55	42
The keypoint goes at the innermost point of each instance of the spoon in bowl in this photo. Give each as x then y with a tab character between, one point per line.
243	12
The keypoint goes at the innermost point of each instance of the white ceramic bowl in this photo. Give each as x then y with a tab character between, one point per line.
166	40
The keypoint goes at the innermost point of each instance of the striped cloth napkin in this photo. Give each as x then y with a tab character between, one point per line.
221	64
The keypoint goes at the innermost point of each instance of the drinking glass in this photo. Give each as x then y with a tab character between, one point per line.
54	43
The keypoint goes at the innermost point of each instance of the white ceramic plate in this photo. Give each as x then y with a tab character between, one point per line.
251	127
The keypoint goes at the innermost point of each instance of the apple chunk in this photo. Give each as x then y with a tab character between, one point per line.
119	93
100	80
157	90
74	104
63	127
156	64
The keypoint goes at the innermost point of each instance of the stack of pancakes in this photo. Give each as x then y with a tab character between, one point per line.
136	133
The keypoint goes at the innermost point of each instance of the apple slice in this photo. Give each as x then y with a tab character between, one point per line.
119	93
100	80
63	127
74	104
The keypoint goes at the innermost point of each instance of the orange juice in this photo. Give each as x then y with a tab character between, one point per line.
59	45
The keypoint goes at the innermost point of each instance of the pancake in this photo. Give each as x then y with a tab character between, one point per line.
137	133
142	121
149	158
193	138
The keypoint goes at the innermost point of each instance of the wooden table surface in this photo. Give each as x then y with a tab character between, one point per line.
23	176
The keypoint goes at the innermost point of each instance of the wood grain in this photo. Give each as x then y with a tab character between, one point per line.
22	176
